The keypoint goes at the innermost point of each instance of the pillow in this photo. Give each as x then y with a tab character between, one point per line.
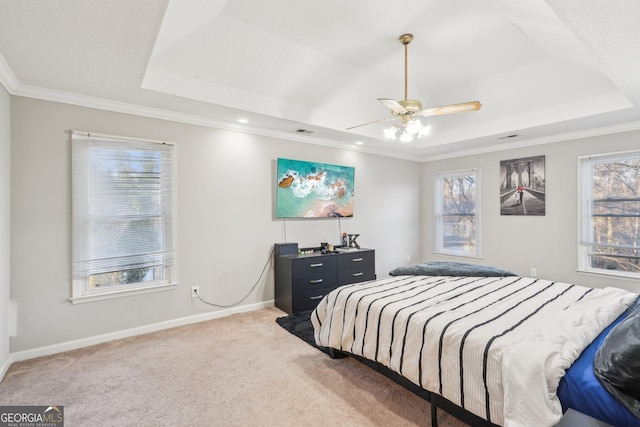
634	307
617	362
446	268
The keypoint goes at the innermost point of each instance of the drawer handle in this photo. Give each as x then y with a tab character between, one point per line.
316	297
357	274
316	281
356	259
315	265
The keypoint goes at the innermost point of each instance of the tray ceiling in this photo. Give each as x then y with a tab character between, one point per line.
543	70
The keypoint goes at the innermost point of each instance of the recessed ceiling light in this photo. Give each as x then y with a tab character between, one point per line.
243	121
359	142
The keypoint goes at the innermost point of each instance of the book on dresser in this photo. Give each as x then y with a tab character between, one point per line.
302	280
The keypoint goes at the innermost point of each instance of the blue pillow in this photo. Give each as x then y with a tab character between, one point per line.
448	268
617	362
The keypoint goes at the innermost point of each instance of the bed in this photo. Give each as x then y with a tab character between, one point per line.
491	343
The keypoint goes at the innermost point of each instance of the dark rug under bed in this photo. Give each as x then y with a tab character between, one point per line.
299	324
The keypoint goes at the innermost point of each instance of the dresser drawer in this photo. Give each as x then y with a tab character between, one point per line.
356	274
316	280
315	265
308	300
347	260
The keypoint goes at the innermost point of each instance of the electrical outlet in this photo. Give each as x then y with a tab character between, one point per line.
408	258
194	291
533	272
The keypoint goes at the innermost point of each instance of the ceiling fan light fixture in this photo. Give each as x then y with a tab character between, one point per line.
414	127
409	130
406	137
391	132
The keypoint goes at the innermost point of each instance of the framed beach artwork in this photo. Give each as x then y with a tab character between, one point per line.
522	186
314	190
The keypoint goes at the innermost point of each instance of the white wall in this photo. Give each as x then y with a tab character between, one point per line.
518	243
5	226
226	230
225	217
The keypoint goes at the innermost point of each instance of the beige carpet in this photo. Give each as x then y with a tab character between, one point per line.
241	370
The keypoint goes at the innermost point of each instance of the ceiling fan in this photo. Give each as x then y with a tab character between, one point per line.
409	110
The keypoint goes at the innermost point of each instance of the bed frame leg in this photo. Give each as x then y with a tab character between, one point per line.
336	354
434	414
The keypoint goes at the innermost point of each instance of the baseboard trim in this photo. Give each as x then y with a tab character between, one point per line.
99	339
5	367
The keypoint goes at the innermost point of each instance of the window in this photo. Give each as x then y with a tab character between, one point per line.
610	214
457	198
123	216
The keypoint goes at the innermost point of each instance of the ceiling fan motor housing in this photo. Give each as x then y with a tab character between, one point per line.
411	105
405	39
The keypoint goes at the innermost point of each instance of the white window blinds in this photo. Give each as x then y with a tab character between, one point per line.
609	215
123	212
457	213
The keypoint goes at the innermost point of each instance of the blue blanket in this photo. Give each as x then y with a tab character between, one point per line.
447	268
580	389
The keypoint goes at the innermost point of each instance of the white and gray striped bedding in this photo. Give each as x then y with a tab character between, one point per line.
496	346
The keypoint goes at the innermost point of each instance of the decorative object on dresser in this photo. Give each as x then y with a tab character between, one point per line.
302	280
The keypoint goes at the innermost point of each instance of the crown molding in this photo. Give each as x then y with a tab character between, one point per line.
13	86
36	92
7	78
561	137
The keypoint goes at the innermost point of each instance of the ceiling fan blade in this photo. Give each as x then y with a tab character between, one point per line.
450	109
393	105
374	122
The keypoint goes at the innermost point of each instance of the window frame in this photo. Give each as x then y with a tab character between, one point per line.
585	212
81	291
439	178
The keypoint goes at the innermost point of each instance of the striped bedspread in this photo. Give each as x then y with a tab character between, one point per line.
495	346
